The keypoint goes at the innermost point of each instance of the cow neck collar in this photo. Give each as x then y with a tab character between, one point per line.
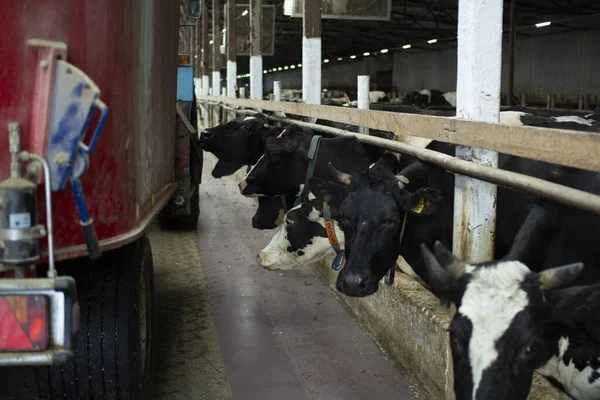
313	152
339	260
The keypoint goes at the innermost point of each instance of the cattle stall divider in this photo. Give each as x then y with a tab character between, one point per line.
405	319
539	187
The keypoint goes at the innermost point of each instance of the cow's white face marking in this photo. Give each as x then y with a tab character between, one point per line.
426	93
275	255
576	382
281	134
491	300
249	118
574	118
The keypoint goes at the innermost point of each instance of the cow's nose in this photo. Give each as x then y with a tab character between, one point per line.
206	134
353	284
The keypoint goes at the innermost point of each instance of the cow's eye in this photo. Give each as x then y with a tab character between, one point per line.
288	221
247	127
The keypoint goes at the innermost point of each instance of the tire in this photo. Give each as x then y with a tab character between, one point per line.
114	357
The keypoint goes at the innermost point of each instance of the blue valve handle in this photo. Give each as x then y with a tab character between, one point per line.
104	110
86	222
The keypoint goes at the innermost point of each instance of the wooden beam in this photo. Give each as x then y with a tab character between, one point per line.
559	146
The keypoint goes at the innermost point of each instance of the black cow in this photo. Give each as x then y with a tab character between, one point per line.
284	166
236	143
239	143
430	98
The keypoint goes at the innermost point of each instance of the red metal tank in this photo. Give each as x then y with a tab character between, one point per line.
129	49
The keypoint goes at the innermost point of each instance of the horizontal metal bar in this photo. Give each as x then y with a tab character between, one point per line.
556	146
539	187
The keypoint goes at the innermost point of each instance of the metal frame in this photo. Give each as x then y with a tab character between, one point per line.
562	194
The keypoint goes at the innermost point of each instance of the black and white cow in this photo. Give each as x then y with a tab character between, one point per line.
238	144
511	321
300	240
430	98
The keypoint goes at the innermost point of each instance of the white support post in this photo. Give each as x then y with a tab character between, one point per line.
363	88
231	78
256	61
256	77
311	52
277	90
205	85
216	83
242	93
231	48
477	98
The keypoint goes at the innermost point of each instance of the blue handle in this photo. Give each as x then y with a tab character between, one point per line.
80	200
104	110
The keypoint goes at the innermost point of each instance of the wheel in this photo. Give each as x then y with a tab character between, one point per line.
114	358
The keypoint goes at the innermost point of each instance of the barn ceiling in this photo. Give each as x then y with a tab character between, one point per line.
415	22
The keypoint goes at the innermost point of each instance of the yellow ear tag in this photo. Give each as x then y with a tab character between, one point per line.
418	208
266	125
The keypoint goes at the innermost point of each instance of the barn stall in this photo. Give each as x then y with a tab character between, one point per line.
495	55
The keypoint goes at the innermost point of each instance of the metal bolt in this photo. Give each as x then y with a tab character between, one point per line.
44	64
179	200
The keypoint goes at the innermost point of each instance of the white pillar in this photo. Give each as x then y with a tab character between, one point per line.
256	77
311	52
277	90
256	61
477	98
205	85
231	78
216	86
223	92
363	88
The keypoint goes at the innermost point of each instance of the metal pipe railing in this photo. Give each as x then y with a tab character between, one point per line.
539	187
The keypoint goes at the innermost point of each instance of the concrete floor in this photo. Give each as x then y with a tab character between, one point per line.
227	329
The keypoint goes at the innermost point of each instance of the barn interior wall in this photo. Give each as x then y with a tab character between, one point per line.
561	64
335	75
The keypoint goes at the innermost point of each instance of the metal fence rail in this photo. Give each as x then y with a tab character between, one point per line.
557	146
539	187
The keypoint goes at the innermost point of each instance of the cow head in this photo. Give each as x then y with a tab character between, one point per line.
300	240
506	319
371	217
239	140
282	169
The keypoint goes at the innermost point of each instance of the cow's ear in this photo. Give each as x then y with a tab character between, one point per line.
332	192
424	201
573	305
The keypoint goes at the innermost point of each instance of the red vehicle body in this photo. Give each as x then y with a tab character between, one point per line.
129	49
